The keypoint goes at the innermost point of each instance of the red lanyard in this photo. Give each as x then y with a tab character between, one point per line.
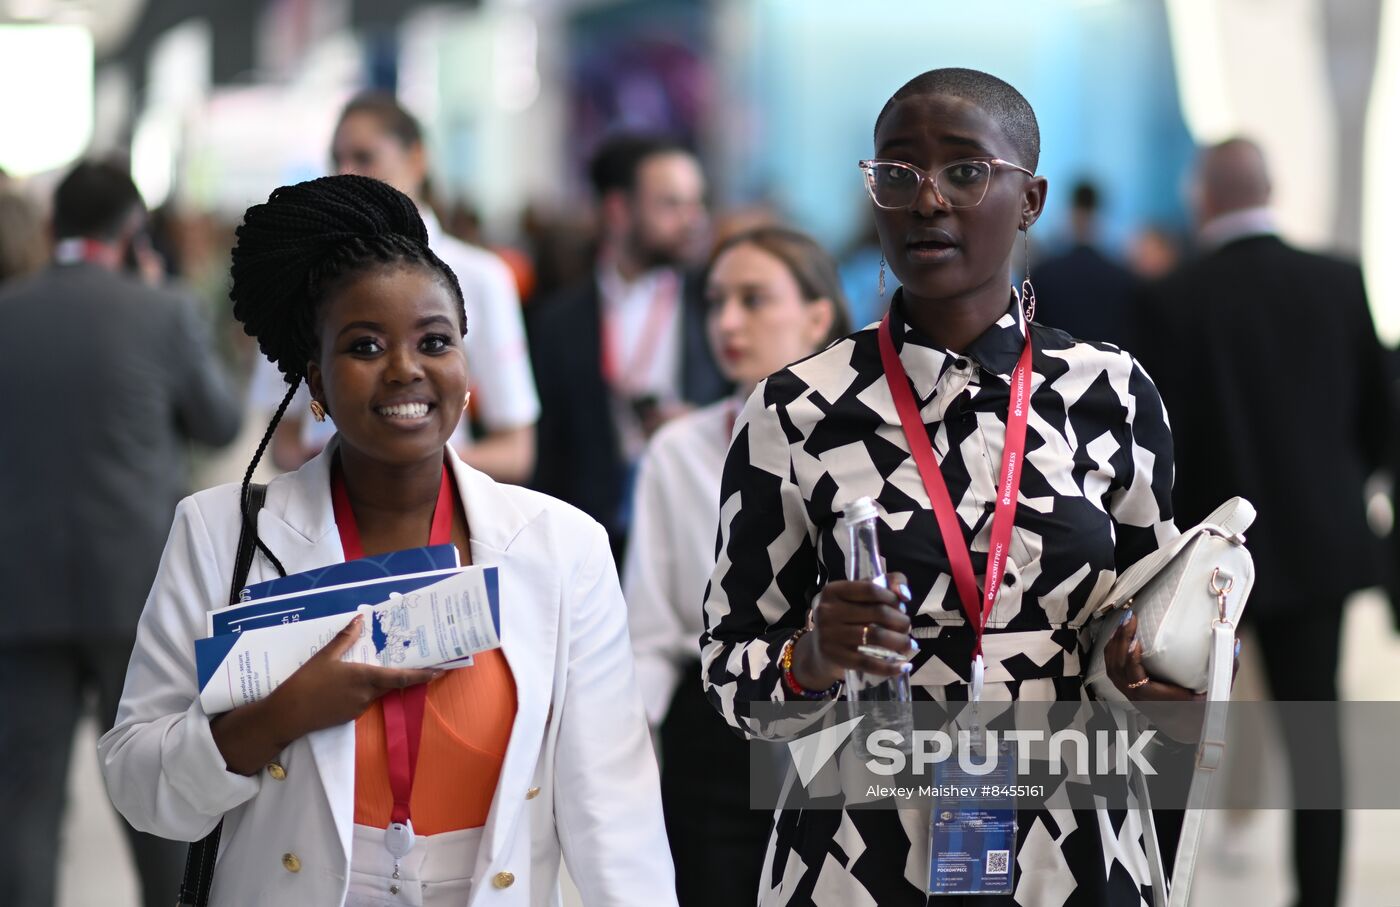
959	556
660	315
403	709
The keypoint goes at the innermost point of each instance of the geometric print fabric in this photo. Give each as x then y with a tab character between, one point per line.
1095	497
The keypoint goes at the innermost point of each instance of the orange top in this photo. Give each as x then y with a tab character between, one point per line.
466	726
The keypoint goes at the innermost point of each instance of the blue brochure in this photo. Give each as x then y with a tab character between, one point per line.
317	602
443	623
395	563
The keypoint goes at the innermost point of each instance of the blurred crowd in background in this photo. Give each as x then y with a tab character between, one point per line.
578	161
214	104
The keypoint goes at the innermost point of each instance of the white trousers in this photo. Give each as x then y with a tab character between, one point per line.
435	873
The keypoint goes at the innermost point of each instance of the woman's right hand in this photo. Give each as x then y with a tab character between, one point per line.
326	691
839	618
322	693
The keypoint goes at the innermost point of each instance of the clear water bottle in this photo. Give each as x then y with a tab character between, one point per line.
885	701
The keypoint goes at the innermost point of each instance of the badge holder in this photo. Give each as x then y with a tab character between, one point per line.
398	840
972	831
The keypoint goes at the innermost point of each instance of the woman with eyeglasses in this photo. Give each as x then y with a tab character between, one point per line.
773	297
974	430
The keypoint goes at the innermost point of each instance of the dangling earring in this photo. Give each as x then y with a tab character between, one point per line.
1027	288
882	276
318	412
466	402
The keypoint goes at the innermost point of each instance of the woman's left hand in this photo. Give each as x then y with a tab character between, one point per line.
1123	661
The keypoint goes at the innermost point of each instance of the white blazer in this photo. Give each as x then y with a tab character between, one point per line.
579	776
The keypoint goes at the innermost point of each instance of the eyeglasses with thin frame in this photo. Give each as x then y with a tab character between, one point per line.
961	184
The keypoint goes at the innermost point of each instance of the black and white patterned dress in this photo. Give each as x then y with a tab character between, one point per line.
1094	498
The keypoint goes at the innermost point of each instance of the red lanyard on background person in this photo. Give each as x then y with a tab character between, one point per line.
403	709
75	249
977	607
661	313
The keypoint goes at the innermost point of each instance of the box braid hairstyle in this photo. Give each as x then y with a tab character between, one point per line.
299	246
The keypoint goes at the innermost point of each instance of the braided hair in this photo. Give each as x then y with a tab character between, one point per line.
303	243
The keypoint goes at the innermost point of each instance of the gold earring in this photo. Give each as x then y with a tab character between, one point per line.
318	412
466	401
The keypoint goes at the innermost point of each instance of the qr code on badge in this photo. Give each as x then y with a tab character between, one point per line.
998	862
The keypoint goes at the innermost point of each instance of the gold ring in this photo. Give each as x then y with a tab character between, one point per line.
865	635
1139	683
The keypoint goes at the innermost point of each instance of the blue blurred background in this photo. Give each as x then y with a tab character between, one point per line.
217	102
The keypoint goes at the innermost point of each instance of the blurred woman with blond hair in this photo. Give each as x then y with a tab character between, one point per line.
774	297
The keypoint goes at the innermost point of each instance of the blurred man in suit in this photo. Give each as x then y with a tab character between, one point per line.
1082	291
1277	389
620	354
108	381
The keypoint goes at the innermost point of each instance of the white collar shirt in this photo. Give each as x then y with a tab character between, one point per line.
641	337
1242	224
672	550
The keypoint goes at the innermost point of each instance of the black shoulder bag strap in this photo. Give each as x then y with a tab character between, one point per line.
199	865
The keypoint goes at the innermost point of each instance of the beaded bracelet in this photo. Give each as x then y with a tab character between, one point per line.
785	660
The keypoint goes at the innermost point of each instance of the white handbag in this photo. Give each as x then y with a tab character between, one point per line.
1188	597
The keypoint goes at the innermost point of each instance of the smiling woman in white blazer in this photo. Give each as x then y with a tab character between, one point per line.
578	777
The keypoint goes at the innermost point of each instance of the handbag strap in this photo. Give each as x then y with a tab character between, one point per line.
1209	754
199	863
247	541
1233	517
1156	871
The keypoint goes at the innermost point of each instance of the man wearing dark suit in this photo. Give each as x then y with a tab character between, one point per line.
1082	291
108	380
625	351
1277	389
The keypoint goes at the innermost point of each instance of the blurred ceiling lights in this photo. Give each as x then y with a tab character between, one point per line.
54	63
1380	233
109	21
